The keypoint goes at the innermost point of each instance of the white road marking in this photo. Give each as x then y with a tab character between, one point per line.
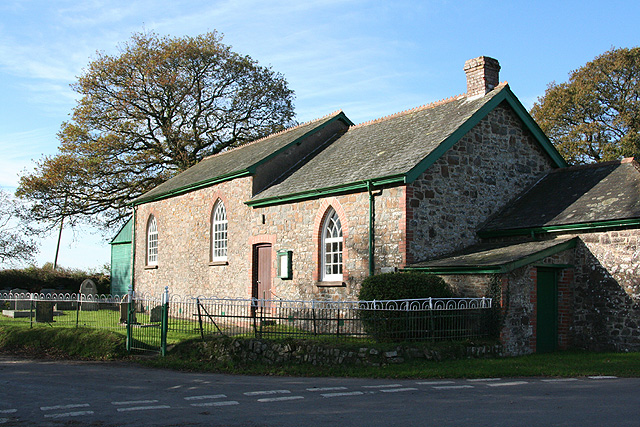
210	396
69	414
508	384
4	420
393	390
435	382
134	402
326	388
382	386
559	380
265	392
223	403
143	408
76	405
452	387
473	380
603	377
349	393
280	399
8	411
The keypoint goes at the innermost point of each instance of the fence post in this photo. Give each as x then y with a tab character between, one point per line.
164	322
130	308
31	310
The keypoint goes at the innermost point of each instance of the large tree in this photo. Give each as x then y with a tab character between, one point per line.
15	247
156	108
595	116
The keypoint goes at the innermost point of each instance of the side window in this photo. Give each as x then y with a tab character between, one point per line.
331	248
152	241
219	232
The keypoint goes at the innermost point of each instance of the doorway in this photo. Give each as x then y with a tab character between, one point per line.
547	311
261	277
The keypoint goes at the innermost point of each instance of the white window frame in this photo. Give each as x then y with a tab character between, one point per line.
332	248
152	241
219	232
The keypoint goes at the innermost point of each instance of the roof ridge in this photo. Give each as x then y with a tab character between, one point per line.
421	107
335	113
411	110
594	165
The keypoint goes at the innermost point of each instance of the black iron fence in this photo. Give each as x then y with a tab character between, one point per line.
432	319
150	321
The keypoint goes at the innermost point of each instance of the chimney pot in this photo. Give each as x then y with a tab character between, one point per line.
482	75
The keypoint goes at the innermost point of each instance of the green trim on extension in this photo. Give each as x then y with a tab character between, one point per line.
500	268
328	191
341	116
583	226
191	187
504	95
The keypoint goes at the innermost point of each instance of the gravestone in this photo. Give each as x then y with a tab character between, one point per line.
44	311
88	291
156	314
124	306
20	305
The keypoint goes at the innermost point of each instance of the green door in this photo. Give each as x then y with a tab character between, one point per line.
547	319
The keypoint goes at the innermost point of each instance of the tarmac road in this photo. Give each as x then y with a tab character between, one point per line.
60	393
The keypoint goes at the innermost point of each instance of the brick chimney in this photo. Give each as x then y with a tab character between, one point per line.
482	75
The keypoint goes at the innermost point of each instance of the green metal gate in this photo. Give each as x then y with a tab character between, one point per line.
147	323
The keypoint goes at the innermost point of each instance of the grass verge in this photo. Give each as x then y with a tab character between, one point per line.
62	343
91	344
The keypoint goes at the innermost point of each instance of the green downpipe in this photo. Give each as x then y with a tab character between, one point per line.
372	218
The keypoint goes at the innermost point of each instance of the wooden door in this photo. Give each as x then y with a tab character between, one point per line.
547	317
262	269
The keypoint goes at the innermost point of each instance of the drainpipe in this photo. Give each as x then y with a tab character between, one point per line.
372	218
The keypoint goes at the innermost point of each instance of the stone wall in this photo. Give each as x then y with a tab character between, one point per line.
481	173
516	295
607	296
299	352
184	239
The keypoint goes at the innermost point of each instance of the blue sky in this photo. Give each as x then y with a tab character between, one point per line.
368	58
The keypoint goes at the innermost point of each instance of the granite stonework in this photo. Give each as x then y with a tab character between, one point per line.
515	293
607	295
186	269
494	162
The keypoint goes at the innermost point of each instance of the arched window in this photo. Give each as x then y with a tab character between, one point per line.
152	241
332	248
219	232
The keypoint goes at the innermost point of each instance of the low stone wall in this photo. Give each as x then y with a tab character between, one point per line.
267	352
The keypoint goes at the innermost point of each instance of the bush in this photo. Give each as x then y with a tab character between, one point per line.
398	325
33	279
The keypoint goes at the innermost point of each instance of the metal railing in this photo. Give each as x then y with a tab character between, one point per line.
422	319
150	321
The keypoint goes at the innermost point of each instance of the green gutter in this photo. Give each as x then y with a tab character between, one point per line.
500	268
327	191
191	187
583	226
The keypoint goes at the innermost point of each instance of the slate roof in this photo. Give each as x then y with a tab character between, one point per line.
387	147
587	194
235	161
495	257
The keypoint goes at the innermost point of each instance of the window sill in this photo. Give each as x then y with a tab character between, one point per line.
214	263
150	267
331	284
